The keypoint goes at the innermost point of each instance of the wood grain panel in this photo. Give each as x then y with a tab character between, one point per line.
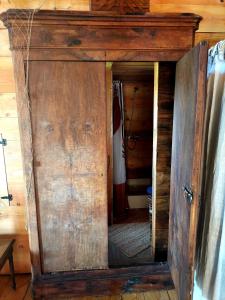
121	6
21	253
138	100
71	172
8	105
23	106
210	37
25	294
213	15
9	128
190	2
100	37
109	96
6	292
12	220
138	55
114	281
163	159
79	5
72	4
47	4
190	93
4	44
7	84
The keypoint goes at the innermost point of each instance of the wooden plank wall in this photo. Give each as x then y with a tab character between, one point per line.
12	219
138	83
164	143
138	104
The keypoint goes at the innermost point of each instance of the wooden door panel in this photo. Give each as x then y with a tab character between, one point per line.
189	106
68	111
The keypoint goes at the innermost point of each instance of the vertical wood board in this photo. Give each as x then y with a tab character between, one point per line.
70	162
189	106
24	118
164	143
109	96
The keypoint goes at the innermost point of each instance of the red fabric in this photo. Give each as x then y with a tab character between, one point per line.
120	201
116	112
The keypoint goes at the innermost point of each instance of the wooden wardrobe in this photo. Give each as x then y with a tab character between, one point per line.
64	95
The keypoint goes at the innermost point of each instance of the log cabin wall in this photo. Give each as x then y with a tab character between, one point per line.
12	219
166	79
138	85
138	98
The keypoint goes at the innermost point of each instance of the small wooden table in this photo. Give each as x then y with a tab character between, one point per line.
6	252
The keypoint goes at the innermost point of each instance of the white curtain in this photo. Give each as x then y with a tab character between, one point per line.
210	271
119	169
119	166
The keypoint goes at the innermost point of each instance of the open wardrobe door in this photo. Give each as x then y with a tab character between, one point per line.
186	166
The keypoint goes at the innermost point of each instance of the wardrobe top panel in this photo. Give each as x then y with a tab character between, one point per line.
66	17
100	36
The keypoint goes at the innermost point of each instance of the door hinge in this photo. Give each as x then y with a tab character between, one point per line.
9	197
188	194
3	142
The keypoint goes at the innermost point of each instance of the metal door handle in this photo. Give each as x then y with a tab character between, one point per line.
188	194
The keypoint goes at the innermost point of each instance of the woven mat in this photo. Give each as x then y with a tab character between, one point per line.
131	238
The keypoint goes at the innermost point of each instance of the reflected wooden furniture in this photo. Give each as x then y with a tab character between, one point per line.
6	253
64	114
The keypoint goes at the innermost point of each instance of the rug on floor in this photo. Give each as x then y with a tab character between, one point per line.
130	238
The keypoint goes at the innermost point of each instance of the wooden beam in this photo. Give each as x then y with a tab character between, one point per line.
213	15
103	282
121	6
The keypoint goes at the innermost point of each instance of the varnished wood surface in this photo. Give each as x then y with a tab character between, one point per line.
74	54
70	163
104	282
190	94
78	17
23	292
212	29
78	31
140	215
6	246
164	143
212	11
121	7
7	83
24	118
109	113
210	37
104	32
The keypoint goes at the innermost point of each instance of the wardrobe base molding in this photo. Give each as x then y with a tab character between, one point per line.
103	282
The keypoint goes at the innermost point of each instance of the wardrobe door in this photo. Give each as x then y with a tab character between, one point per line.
186	165
68	113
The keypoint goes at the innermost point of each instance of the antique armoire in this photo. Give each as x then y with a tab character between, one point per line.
64	105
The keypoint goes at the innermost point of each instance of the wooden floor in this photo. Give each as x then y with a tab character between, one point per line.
23	292
140	215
